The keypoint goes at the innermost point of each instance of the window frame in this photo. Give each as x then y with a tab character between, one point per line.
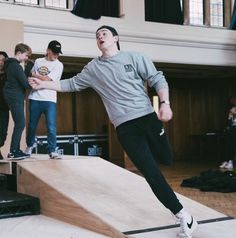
227	12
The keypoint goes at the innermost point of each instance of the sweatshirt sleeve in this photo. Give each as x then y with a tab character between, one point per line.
149	73
78	82
21	77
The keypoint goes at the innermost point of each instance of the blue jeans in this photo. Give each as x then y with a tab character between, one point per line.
146	144
36	109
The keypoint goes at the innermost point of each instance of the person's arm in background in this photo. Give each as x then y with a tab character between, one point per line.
20	75
41	77
38	76
37	84
76	83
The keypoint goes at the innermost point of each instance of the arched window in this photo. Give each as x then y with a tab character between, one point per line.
215	13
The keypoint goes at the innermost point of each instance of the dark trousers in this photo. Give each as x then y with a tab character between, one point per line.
230	143
4	120
16	107
144	141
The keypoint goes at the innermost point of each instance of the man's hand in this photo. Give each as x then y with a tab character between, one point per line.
34	75
35	83
165	113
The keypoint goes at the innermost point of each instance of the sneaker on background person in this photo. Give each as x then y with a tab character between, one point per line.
187	224
29	149
227	165
17	155
224	163
55	155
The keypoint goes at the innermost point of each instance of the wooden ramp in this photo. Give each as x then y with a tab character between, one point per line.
94	194
221	229
42	227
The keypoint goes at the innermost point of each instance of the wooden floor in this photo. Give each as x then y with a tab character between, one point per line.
222	202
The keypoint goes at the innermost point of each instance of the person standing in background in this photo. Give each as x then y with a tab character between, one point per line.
48	68
230	136
14	94
4	110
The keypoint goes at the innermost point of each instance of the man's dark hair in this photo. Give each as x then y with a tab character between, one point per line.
4	54
112	30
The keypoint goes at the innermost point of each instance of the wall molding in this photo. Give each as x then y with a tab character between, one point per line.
125	37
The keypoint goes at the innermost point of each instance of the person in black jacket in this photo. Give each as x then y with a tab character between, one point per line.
4	111
14	94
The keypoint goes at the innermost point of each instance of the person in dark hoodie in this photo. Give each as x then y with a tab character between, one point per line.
4	111
14	94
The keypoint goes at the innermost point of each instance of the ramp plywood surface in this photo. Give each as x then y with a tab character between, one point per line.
42	227
5	167
100	190
223	229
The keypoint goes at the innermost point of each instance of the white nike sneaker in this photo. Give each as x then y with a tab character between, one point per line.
187	224
55	155
29	149
224	163
229	165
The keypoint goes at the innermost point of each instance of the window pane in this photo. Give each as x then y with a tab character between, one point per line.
196	12
216	12
56	3
35	2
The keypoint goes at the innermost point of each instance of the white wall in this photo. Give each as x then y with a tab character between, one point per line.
8	40
161	42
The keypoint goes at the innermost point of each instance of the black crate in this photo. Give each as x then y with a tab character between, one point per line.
13	204
89	144
94	145
66	145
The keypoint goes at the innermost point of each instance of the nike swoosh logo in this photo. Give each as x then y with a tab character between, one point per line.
162	132
191	223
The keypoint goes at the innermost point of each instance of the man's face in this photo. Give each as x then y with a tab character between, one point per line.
105	39
22	56
51	55
2	58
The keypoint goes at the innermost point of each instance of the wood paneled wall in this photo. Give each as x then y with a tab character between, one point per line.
199	100
199	106
91	116
78	113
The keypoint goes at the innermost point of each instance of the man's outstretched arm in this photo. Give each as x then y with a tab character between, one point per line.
37	84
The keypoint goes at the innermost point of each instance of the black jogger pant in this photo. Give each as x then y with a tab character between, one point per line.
145	141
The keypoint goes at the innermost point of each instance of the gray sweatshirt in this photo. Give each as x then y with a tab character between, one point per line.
120	82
